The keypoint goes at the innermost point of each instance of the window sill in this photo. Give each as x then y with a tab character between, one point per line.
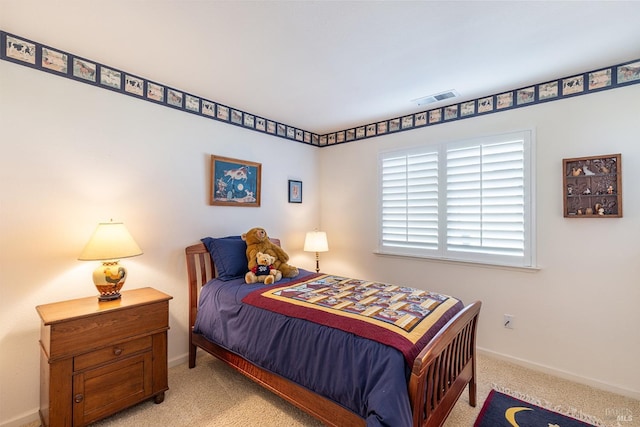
460	262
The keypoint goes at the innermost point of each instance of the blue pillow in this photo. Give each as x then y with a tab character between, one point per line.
229	255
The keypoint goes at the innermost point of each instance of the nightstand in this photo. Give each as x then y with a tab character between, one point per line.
98	358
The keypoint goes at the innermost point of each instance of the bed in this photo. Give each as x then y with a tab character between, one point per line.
338	377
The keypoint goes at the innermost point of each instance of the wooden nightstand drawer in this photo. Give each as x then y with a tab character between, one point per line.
81	335
111	353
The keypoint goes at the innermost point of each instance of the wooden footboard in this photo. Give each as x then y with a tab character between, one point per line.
443	369
439	374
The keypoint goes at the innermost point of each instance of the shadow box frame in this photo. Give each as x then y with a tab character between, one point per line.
592	186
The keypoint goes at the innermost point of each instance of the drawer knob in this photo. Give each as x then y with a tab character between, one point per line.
78	398
117	351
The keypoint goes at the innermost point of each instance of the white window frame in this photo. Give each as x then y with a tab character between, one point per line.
477	254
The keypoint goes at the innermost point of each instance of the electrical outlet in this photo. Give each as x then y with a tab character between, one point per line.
508	321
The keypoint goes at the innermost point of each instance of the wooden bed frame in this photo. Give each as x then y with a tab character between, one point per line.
439	375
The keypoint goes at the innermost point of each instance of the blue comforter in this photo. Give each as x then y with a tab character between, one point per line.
364	376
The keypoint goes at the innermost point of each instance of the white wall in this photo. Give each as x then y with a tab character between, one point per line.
578	315
73	155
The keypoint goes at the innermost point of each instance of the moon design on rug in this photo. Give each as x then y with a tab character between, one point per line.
510	414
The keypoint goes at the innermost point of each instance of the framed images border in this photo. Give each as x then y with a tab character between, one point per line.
26	52
23	51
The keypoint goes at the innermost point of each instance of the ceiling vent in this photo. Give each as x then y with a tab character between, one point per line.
436	98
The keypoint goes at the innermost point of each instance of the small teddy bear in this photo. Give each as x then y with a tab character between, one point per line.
263	271
258	241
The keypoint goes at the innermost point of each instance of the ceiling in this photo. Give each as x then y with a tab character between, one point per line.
330	65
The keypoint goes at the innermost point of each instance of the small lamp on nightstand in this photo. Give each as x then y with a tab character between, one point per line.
111	241
316	241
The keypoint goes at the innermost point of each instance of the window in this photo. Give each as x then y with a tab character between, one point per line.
465	201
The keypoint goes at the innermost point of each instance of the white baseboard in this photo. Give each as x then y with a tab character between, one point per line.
178	360
562	374
26	418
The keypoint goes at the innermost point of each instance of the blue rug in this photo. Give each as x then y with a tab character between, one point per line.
503	410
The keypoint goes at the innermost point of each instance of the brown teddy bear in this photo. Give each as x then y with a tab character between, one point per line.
263	271
258	241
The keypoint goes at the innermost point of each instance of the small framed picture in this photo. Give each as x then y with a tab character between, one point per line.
54	60
548	90
573	85
192	103
155	92
526	95
261	124
351	134
421	119
208	108
451	112
504	100
600	79
249	120
485	104
133	85
629	72
435	116
467	108
84	69
236	116
295	191
235	182
21	50
223	113
174	97
111	78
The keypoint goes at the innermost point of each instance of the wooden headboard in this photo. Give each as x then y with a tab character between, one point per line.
200	270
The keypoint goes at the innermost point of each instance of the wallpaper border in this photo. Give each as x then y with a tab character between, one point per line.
611	77
23	51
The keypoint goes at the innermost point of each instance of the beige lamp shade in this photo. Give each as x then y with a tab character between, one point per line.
316	241
110	242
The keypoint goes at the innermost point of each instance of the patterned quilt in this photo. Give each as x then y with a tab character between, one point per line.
402	317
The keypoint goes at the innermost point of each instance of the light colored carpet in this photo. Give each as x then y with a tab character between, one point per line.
214	395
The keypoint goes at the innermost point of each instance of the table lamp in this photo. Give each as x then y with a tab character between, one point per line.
316	241
110	242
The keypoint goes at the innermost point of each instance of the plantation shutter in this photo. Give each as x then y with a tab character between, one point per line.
409	199
469	201
485	197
